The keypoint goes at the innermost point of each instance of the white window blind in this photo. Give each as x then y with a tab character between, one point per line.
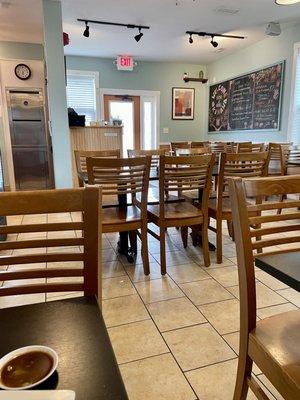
81	95
295	114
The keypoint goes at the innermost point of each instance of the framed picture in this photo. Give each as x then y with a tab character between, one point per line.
183	103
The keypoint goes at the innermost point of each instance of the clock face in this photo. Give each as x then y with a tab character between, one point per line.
22	71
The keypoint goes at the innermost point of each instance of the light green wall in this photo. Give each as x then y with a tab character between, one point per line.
57	97
263	53
21	51
158	76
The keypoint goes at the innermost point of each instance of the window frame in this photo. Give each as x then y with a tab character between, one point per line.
293	91
95	75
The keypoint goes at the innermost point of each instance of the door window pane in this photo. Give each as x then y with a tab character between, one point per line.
123	110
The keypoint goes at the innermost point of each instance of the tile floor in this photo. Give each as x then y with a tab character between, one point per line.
175	337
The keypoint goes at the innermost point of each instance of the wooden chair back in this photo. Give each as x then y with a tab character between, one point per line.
294	160
123	176
192	151
179	145
184	174
81	156
154	154
241	165
279	156
61	263
258	227
248	147
218	147
200	144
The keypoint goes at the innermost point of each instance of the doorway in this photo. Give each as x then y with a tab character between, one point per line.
127	109
141	110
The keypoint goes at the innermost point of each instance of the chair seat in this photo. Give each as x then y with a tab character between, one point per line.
226	205
276	341
175	211
117	215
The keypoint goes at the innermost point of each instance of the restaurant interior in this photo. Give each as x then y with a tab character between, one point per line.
149	200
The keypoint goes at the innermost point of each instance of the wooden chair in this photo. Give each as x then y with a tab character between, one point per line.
166	147
121	178
218	147
293	166
241	164
81	156
279	156
182	174
192	151
179	145
154	154
199	144
50	202
245	147
272	343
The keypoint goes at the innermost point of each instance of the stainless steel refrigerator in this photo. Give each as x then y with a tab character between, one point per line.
31	143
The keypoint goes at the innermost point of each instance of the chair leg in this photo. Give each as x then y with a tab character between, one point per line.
145	254
230	229
243	372
219	241
184	235
281	199
162	238
205	244
133	241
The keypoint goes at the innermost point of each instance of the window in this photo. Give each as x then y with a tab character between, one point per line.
82	94
294	120
149	138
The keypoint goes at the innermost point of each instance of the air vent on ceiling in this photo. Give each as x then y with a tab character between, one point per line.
227	11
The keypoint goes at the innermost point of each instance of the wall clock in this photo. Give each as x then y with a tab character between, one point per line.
23	72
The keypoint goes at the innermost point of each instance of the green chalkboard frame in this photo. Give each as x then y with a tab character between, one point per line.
283	63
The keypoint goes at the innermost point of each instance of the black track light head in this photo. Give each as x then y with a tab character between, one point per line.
213	42
139	36
86	32
191	39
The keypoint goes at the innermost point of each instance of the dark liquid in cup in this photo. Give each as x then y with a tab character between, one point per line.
26	369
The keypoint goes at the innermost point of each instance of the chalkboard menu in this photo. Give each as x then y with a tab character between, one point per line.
249	102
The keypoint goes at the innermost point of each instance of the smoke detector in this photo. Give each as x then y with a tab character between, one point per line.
273	29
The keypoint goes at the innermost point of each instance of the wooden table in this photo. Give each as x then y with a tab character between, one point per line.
283	266
75	329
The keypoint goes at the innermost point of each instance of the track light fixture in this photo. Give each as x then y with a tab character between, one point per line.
212	35
286	2
138	37
213	42
86	32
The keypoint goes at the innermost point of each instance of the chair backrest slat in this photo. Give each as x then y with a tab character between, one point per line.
192	151
258	227
53	245
119	176
186	173
248	147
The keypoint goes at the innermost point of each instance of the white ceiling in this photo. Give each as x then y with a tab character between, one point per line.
21	21
166	40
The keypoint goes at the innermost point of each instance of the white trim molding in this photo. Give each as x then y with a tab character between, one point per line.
292	95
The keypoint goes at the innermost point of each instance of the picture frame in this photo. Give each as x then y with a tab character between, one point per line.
183	103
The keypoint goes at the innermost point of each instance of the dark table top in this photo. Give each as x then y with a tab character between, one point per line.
75	329
283	266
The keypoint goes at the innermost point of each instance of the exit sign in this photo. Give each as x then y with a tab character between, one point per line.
125	63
